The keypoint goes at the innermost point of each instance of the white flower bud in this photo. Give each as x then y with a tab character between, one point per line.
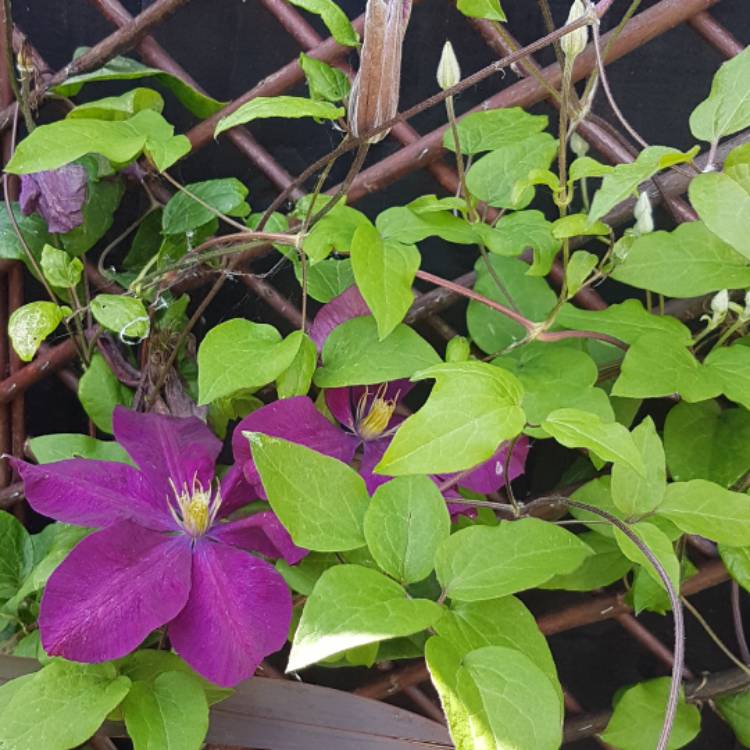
574	42
720	302
746	314
644	215
448	70
578	145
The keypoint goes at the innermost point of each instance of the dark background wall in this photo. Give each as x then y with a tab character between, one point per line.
229	45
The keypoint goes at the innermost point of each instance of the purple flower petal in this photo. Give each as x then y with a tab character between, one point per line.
238	612
261	532
347	305
488	477
371	455
165	448
58	196
342	403
112	590
236	492
294	419
93	493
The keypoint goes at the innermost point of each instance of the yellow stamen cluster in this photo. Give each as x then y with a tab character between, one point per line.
196	507
375	422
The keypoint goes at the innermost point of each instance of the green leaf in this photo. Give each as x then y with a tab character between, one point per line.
639	715
609	441
495	698
492	178
335	231
604	567
687	262
384	272
170	713
286	107
30	324
573	372
333	17
659	545
504	622
408	224
494	128
327	279
627	321
16	555
353	606
297	378
578	225
354	354
303	576
489	9
724	206
597	492
730	364
486	562
624	179
183	213
99	392
705	508
522	229
492	331
126	316
727	108
632	493
239	355
702	441
60	706
34	231
119	107
579	268
61	446
678	371
736	712
222	411
125	69
406	521
737	562
584	167
299	482
59	268
473	408
323	80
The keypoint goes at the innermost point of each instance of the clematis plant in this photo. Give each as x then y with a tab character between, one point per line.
163	554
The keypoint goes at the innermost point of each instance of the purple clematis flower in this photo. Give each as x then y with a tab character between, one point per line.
163	554
57	196
366	418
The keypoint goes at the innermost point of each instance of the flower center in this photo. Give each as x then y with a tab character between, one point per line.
194	508
374	423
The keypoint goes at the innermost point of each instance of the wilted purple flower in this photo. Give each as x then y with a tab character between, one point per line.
366	417
163	555
57	196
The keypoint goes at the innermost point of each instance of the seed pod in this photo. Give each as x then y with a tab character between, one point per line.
448	71
375	91
574	42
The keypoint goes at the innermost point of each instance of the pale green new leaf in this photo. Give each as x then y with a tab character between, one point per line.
610	441
405	523
335	231
704	508
731	365
658	544
678	371
727	108
286	107
494	128
333	17
473	407
639	715
30	324
687	262
495	698
168	713
59	268
354	354
489	9
61	446
119	107
60	706
323	80
384	272
704	441
579	268
486	562
352	606
125	316
632	493
297	378
321	501
239	355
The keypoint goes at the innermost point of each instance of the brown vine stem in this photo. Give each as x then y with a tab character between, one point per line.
535	331
739	626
